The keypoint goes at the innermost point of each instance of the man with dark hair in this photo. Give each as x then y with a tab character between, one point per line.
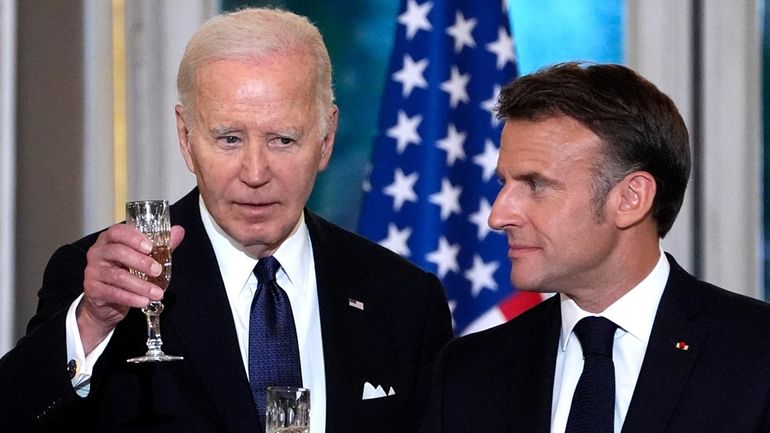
594	162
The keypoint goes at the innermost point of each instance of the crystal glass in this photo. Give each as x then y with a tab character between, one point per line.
288	410
152	218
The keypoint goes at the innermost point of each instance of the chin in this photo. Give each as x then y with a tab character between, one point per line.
525	284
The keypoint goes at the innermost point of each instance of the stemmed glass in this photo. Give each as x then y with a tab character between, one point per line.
151	217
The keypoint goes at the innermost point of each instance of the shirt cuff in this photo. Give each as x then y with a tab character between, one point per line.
80	365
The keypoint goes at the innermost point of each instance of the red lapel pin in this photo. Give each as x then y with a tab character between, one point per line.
681	345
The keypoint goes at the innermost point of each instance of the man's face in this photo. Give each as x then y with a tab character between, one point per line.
556	240
254	144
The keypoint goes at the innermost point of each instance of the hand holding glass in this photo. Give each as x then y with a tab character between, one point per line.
152	218
288	410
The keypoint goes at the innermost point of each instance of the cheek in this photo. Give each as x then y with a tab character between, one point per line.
564	224
299	170
216	173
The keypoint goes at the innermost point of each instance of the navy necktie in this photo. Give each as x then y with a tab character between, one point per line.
593	405
273	350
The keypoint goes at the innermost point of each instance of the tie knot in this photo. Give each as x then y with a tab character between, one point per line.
266	269
596	335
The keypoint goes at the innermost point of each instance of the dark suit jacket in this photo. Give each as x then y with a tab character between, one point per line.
501	380
394	342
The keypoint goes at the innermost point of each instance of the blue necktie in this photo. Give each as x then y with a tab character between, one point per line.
593	404
273	350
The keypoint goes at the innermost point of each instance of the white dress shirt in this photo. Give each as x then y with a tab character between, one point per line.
634	314
296	277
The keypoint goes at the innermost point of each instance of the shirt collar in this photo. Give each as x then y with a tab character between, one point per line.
634	312
236	265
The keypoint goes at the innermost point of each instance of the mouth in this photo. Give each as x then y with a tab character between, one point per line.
254	207
517	251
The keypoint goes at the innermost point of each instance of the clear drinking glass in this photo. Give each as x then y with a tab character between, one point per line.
152	218
288	410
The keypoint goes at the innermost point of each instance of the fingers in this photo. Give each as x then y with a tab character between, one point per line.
125	247
177	234
108	285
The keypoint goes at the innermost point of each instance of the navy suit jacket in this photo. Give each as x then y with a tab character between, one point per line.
501	380
393	341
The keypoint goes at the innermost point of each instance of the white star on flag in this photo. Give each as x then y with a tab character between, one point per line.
445	257
502	47
402	188
455	86
448	199
453	144
415	18
405	131
480	275
480	218
461	31
487	160
411	75
491	103
397	239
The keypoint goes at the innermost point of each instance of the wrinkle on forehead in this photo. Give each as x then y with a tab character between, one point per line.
547	143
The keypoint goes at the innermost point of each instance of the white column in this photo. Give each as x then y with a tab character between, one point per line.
7	171
98	185
658	47
732	145
157	35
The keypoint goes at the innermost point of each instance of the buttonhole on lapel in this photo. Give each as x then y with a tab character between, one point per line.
356	304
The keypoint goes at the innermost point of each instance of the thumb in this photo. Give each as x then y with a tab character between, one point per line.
177	234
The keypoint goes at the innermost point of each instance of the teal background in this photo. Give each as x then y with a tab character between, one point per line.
766	150
359	35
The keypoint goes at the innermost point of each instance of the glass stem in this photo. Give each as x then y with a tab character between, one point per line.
153	327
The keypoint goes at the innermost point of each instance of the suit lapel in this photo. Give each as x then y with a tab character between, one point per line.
532	371
344	329
199	315
667	365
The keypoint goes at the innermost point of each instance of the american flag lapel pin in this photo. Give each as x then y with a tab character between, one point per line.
356	304
681	345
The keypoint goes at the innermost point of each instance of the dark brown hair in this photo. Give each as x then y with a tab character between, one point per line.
640	127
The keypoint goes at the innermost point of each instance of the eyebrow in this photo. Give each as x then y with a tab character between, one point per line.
290	132
222	130
539	177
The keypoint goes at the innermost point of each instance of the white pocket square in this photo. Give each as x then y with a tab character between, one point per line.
370	392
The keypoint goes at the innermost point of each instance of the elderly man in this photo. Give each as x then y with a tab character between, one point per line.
256	124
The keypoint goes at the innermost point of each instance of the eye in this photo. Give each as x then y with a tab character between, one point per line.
282	141
229	140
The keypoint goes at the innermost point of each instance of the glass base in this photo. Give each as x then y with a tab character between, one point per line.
154	357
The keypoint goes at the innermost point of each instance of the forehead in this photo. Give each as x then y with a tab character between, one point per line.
553	144
281	78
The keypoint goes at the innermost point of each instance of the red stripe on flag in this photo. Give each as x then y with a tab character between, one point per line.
518	303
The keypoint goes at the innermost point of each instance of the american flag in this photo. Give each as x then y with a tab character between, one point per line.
432	179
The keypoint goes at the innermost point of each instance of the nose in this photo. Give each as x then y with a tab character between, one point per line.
254	166
507	211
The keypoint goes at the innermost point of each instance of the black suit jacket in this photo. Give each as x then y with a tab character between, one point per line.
501	380
392	342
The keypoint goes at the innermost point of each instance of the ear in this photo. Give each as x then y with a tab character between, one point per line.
634	197
327	145
183	133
